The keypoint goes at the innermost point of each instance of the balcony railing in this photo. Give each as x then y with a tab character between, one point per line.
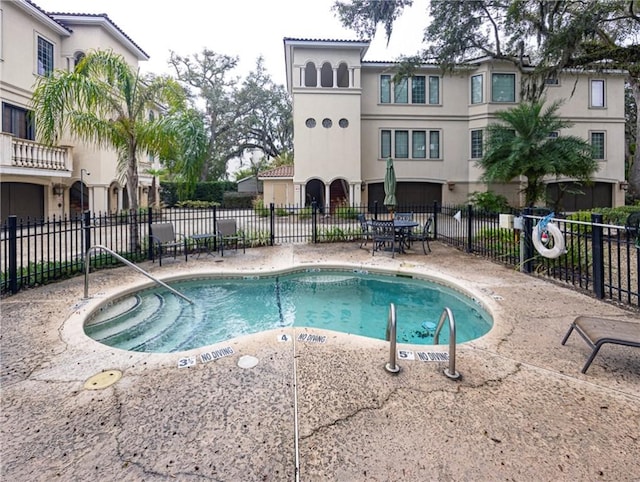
23	153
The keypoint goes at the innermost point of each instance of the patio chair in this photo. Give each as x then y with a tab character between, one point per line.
164	237
598	331
383	235
228	234
364	228
632	227
424	236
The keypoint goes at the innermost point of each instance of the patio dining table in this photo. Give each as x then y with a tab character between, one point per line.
403	229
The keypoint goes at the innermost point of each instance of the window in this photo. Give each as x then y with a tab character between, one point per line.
326	75
402	144
400	92
597	145
418	144
554	135
327	123
476	144
503	87
310	122
77	58
402	140
418	89
434	144
344	123
418	95
477	89
17	121
434	90
385	89
343	75
310	75
45	57
597	93
385	144
552	80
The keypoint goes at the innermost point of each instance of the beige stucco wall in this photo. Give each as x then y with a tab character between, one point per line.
18	72
279	192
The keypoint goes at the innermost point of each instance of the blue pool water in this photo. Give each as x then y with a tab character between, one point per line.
155	320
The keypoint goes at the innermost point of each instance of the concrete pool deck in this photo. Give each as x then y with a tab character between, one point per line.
522	410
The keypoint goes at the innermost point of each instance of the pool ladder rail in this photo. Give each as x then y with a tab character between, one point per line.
99	247
392	365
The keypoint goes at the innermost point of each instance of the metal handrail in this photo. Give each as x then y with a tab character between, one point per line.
128	263
446	313
392	366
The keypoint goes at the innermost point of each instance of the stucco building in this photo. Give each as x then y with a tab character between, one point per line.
36	180
349	116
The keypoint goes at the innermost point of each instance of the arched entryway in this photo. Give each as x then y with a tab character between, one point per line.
338	193
78	198
315	192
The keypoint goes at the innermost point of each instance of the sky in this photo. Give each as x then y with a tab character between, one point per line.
243	28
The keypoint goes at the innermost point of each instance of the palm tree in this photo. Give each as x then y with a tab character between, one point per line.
527	143
105	101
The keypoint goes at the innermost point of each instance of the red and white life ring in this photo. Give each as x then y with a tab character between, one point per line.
557	248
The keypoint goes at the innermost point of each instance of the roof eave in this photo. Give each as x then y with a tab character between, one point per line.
42	16
104	22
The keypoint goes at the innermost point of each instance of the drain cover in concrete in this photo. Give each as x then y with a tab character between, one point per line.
247	361
103	380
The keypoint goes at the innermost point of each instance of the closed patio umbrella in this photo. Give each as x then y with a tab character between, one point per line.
390	186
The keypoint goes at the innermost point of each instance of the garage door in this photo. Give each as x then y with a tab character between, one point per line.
22	200
411	196
574	197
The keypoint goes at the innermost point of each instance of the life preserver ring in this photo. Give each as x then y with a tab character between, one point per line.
557	248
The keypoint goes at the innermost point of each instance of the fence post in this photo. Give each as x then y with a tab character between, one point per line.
214	229
527	244
149	242
272	223
436	210
13	254
597	255
86	232
314	221
469	228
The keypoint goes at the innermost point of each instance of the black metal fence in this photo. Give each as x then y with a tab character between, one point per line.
601	259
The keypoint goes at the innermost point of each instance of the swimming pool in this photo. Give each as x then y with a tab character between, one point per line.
348	301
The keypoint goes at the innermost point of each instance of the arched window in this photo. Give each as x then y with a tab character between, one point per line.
343	75
310	75
77	57
326	75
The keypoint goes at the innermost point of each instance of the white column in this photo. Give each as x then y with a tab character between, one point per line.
327	198
335	78
303	81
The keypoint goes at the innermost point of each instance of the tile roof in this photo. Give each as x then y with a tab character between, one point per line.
294	39
280	171
48	15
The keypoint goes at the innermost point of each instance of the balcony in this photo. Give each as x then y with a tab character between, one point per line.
25	157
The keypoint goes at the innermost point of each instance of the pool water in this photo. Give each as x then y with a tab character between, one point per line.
155	320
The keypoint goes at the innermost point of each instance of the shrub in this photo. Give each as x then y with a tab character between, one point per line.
238	200
490	201
258	207
191	204
305	213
